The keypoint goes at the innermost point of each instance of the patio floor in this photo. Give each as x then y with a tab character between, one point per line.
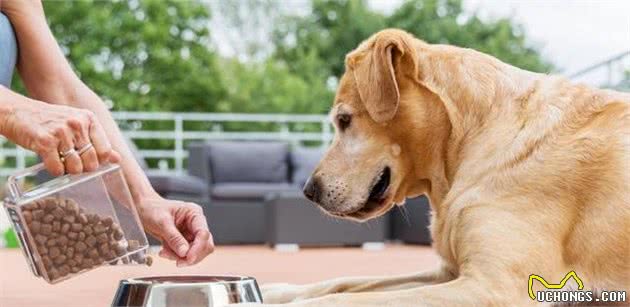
18	287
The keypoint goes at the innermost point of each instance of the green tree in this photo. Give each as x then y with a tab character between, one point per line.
269	85
259	83
144	55
333	28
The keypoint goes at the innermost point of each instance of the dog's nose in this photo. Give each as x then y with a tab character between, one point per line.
312	189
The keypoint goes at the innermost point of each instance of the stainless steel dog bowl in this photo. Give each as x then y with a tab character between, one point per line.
186	291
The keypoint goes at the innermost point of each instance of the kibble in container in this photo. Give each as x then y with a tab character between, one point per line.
75	223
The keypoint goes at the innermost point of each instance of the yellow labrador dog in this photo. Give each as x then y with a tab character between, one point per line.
526	174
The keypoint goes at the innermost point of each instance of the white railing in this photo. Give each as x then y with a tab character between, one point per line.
286	127
609	73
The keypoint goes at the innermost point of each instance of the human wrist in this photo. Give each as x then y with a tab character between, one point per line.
6	108
9	103
64	90
5	112
143	196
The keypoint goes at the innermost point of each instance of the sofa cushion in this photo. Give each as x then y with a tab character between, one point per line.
248	162
304	160
248	190
185	185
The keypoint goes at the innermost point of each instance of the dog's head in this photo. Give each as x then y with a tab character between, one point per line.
383	120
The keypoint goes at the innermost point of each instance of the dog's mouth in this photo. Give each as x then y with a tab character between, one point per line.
378	195
380	187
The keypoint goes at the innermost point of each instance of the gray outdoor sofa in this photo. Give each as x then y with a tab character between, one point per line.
255	196
181	187
293	220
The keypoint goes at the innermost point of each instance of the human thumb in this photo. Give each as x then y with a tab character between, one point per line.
174	239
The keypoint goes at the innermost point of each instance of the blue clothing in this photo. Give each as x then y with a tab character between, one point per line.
8	51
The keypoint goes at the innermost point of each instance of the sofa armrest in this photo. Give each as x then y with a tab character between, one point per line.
199	162
182	187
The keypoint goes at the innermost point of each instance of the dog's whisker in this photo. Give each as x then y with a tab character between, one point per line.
405	214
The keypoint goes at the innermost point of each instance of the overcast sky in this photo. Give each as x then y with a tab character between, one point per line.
571	34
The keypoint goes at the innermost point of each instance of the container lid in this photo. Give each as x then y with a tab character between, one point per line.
17	197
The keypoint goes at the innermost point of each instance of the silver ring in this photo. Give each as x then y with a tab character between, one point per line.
84	148
67	153
63	155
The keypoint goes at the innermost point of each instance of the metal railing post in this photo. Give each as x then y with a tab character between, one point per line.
326	135
20	159
284	130
179	144
609	68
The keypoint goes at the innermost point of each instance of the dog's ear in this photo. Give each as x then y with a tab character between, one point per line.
374	71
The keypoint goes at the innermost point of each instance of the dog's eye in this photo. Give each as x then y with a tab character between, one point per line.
343	121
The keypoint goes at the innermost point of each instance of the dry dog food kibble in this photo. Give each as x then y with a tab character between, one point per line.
69	240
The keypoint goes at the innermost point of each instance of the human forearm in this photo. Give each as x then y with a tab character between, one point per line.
139	184
41	64
172	222
49	77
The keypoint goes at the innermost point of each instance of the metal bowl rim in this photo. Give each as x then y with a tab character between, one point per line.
189	279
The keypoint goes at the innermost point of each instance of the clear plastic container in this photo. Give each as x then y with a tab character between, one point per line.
75	223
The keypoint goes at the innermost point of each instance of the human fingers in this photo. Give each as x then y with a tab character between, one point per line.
168	253
172	238
50	156
69	157
202	246
99	139
81	127
203	243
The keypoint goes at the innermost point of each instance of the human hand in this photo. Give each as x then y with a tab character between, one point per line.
181	227
69	140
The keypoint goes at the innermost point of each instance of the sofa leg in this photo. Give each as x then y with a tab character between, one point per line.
287	248
373	246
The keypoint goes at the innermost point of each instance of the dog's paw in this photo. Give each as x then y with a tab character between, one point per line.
280	293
